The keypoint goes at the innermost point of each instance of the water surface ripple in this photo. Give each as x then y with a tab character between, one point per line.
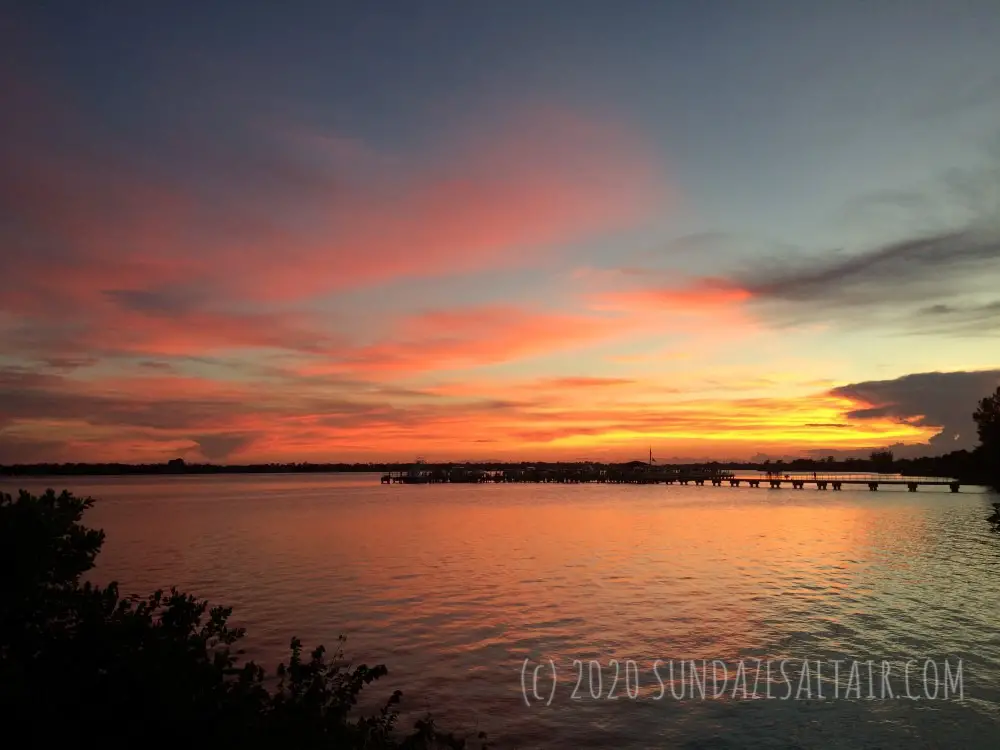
454	586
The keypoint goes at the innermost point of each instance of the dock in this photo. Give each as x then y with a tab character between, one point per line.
613	475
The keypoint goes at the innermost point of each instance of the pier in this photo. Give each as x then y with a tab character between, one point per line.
654	475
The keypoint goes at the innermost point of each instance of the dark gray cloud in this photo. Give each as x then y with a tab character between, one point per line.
221	447
152	364
30	395
944	400
156	414
891	272
69	363
889	285
943	282
161	301
966	320
15	378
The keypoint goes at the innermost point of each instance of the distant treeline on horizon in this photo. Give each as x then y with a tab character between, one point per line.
959	464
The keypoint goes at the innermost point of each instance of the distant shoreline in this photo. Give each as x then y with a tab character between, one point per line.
927	467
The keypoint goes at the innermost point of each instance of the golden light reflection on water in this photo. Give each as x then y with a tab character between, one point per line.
453	586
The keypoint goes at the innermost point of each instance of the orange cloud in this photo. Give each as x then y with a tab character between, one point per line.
657	355
551	389
702	307
701	296
469	337
581	382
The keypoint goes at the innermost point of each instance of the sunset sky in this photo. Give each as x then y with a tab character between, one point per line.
352	231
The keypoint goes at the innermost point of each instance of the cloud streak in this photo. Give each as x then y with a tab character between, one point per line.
469	337
941	280
889	284
937	266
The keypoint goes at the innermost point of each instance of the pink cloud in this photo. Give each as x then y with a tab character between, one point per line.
502	197
321	214
468	337
702	306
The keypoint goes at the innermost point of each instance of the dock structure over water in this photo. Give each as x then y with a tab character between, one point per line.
837	482
658	475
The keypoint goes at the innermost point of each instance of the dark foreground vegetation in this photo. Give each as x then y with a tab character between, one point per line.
980	466
84	666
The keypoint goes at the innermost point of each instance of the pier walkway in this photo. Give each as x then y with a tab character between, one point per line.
835	482
795	481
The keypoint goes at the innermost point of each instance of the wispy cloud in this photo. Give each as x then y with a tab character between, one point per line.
469	337
958	319
890	284
699	296
935	266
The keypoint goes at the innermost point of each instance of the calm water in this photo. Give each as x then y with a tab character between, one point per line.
453	587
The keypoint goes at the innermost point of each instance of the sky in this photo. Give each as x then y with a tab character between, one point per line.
366	231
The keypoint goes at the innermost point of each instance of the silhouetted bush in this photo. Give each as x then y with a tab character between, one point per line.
83	665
